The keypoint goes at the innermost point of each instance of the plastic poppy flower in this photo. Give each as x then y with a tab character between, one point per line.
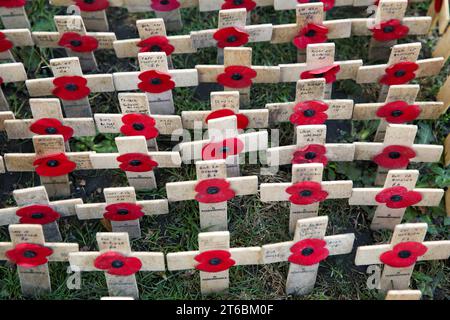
49	126
117	264
399	73
138	124
398	112
54	165
92	5
438	5
136	162
249	5
242	120
404	254
398	197
214	261
29	255
12	3
5	44
123	211
77	42
37	214
329	73
389	30
237	77
306	192
327	4
231	37
71	88
156	44
313	153
394	157
311	33
155	81
308	252
164	5
309	112
213	191
223	149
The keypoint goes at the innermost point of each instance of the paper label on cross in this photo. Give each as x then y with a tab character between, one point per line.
10	72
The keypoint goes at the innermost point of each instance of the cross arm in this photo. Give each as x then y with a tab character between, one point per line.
24	161
257	118
44	39
416	25
165	159
428	110
13	72
437	250
5	246
366	196
61	251
66	3
143	5
264	74
215	5
19	37
292	4
291	72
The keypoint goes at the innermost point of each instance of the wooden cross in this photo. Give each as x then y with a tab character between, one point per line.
213	259
122	209
71	86
237	73
305	192
308	139
404	295
396	150
138	163
395	71
51	162
400	107
232	31
71	34
33	205
306	91
216	5
225	142
118	261
439	11
442	48
392	202
399	256
31	253
310	16
156	80
292	4
137	104
320	64
15	38
47	119
309	247
14	17
229	100
150	32
10	72
212	190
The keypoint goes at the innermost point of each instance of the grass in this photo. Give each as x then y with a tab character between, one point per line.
251	222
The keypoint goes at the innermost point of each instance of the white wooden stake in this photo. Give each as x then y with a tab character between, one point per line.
18	38
10	72
14	18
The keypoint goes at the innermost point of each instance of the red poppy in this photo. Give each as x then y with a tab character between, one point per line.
308	252
231	37
117	264
309	112
155	81
136	162
237	77
213	191
77	42
5	44
329	73
92	5
242	120
327	4
156	44
214	261
438	5
389	30
238	4
398	197
49	126
311	33
306	192
71	88
138	124
123	211
223	149
12	3
398	112
164	5
29	255
313	153
394	157
399	73
37	214
54	165
404	254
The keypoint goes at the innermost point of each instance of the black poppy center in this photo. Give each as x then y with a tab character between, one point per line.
404	254
388	29
396	113
320	75
155	48
400	73
215	261
156	81
309	113
310	33
394	155
224	149
89	1
232	38
138	126
52	163
122	212
135	163
29	254
212	190
75	43
238	2
310	155
71	87
306	193
164	2
51	130
117	264
307	251
396	198
236	76
37	215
